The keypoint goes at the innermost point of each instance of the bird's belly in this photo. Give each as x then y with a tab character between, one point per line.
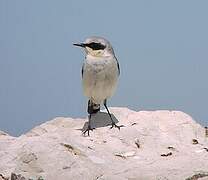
99	84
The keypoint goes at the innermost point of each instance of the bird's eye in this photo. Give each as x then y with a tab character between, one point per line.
96	46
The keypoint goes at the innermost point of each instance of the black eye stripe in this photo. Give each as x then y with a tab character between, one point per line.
96	46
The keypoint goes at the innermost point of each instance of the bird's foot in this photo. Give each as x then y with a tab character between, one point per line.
87	131
116	126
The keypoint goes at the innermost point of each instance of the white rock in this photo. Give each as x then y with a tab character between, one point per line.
58	150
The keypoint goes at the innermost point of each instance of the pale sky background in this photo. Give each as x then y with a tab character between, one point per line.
162	47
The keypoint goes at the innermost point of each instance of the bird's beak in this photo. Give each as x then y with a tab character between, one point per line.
80	45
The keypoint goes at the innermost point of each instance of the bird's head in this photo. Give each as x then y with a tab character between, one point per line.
97	47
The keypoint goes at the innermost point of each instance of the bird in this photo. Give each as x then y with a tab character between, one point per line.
100	73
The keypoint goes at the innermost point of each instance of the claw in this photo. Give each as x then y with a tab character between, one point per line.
116	126
87	131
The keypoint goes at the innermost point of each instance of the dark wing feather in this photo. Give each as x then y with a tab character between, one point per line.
118	66
82	70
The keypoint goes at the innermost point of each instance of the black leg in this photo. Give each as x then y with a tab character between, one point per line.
91	109
113	124
89	128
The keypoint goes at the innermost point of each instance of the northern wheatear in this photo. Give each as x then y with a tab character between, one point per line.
100	73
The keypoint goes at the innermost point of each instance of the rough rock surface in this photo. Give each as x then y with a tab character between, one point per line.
153	145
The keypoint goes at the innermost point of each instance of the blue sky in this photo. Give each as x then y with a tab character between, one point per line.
162	47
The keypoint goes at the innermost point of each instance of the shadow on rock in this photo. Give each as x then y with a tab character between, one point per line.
100	119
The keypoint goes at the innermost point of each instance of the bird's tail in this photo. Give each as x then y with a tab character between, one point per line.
92	107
